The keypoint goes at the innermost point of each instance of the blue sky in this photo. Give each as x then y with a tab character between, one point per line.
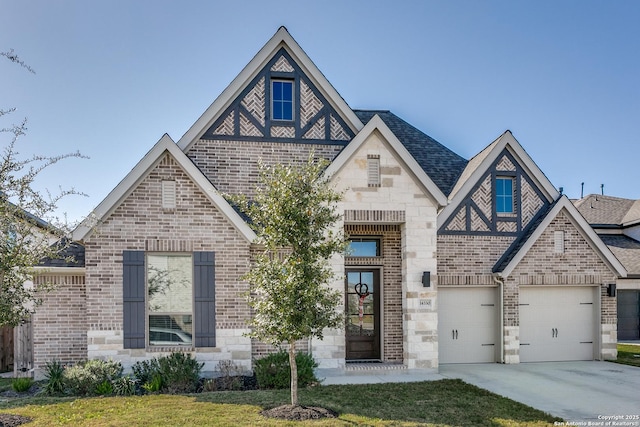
113	76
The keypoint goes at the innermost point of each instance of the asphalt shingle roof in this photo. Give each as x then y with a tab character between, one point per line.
442	165
72	256
626	249
598	209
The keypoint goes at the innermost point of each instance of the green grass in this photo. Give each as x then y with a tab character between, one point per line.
441	403
629	354
5	384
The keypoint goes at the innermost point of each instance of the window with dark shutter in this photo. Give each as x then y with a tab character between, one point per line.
133	274
204	299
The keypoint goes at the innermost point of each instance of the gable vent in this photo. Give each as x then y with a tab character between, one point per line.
373	170
558	242
168	194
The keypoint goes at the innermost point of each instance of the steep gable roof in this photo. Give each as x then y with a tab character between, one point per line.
480	164
141	170
508	262
280	40
441	164
376	123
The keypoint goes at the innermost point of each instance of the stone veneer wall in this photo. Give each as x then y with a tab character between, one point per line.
391	279
140	223
60	324
232	166
401	201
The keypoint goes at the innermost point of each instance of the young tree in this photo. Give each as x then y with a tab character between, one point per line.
293	214
29	231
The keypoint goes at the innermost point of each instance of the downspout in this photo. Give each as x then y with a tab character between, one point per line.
500	282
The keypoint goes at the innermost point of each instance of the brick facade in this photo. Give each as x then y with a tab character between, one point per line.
468	260
232	166
59	324
84	316
390	262
140	223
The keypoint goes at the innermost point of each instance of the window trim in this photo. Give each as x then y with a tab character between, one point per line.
148	311
362	239
273	100
503	196
134	300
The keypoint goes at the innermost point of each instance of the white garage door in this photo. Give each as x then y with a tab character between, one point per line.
557	323
468	325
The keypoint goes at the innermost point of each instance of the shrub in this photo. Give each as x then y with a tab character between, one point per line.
21	384
54	375
154	385
146	370
230	377
87	378
104	388
180	373
124	386
175	373
273	370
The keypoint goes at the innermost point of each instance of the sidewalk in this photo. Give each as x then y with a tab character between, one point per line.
372	373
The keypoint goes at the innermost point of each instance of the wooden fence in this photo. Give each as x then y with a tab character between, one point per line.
6	349
23	345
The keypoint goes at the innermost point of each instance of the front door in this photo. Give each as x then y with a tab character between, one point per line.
362	314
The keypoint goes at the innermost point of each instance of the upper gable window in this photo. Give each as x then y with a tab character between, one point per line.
282	99
504	195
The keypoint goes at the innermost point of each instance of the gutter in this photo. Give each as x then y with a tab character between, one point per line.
500	282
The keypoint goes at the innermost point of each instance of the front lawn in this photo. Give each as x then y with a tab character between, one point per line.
442	403
629	354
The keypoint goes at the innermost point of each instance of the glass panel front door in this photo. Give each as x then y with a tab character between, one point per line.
362	317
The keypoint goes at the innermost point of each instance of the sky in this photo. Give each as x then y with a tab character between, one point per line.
113	76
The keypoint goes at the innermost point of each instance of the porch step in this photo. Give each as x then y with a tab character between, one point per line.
374	367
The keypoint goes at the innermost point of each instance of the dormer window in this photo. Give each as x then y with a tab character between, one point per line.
282	100
504	195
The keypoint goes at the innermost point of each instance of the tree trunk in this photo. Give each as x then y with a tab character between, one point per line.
294	372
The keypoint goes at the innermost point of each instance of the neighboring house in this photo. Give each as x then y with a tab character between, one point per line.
617	221
465	261
57	328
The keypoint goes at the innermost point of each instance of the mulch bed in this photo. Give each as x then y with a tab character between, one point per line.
298	413
10	420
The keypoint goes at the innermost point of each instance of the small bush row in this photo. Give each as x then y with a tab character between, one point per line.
274	371
175	373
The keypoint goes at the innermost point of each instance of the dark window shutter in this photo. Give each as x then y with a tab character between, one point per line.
133	293
204	297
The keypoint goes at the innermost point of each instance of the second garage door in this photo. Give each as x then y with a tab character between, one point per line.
557	323
468	328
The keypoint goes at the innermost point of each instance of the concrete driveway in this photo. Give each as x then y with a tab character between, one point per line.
579	392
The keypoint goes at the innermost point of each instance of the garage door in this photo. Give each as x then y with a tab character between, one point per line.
557	323
628	315
468	321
